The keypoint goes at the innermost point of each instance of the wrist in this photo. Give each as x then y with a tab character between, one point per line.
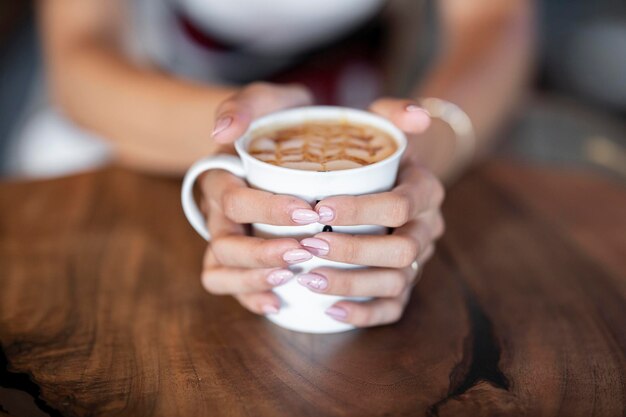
434	149
450	143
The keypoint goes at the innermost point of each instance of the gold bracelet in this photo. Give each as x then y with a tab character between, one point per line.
460	124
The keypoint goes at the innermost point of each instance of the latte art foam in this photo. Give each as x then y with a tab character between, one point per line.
322	146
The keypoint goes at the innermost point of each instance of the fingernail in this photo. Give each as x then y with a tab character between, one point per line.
317	247
414	107
279	277
269	309
337	313
304	216
295	256
313	281
221	124
326	214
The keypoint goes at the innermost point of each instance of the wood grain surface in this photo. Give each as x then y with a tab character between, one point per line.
520	313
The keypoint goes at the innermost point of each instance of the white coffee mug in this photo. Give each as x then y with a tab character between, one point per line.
301	309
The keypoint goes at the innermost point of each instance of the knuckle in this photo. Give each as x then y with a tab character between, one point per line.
400	211
346	286
210	182
350	250
438	193
347	210
277	207
287	201
217	247
254	281
408	252
264	253
396	313
440	227
270	210
363	315
229	203
428	253
208	259
210	283
396	285
268	252
418	174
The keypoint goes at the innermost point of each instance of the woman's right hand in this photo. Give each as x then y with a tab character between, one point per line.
235	263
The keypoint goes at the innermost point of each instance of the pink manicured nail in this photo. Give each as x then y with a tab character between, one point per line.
414	107
315	282
326	214
295	256
317	247
279	277
269	309
221	125
304	216
337	313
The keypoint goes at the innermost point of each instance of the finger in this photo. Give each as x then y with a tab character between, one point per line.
235	114
221	280
216	182
260	303
419	182
421	232
388	209
370	282
392	251
370	313
241	204
218	224
397	250
417	191
247	205
366	282
425	255
254	252
433	221
415	275
406	114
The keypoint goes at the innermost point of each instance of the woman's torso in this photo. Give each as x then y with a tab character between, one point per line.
240	41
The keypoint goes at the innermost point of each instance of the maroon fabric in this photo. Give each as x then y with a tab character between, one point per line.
321	72
199	37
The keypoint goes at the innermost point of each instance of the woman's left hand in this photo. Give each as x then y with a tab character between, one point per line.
412	208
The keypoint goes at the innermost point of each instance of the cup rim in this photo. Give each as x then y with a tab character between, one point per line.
339	113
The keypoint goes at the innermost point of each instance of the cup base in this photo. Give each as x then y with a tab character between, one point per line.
318	326
302	310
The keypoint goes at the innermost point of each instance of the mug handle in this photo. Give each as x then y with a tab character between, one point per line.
229	163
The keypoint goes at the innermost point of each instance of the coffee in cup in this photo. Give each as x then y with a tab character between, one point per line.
322	146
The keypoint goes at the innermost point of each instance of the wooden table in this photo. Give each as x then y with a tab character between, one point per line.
521	312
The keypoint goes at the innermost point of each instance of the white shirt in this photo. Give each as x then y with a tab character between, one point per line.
266	32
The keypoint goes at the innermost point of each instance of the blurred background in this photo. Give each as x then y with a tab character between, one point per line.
576	114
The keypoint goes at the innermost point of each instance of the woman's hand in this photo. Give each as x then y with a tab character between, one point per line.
412	208
249	267
234	115
234	263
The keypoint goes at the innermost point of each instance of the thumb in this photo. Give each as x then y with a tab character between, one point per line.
405	114
234	115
